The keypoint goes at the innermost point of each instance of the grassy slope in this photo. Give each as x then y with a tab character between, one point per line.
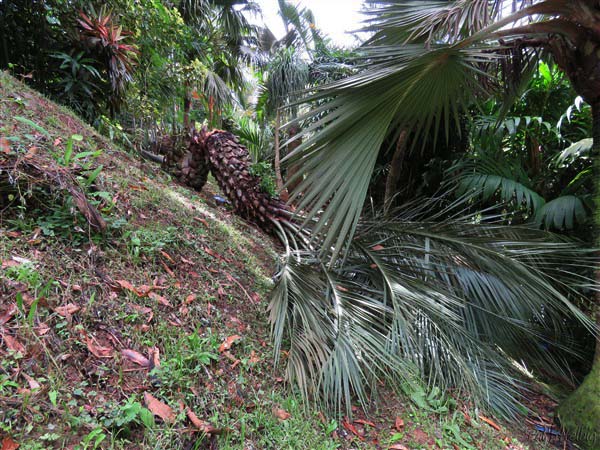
173	273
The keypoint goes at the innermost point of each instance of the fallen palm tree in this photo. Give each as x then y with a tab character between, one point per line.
221	153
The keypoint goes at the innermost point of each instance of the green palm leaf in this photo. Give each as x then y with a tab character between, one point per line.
451	303
562	213
404	86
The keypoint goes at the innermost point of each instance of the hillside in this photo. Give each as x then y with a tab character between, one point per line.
133	311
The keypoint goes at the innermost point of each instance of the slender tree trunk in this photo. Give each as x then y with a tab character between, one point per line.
395	170
278	178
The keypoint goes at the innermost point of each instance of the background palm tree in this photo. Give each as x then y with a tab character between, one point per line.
428	62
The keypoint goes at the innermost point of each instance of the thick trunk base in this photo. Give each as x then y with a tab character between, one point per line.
579	414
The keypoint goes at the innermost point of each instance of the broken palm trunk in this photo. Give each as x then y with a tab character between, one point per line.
221	153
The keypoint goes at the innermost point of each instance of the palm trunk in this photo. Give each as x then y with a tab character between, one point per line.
395	170
579	414
221	153
278	178
187	106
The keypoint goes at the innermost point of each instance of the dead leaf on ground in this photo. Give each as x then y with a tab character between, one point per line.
202	221
33	384
490	422
190	298
143	290
227	343
201	425
42	329
67	310
126	285
160	299
158	408
166	255
254	358
365	422
398	447
98	351
212	253
351	428
135	357
4	146
8	314
281	414
9	444
154	356
377	248
13	344
143	310
399	424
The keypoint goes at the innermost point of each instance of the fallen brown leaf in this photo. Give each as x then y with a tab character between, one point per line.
13	344
143	290
490	422
365	422
126	285
135	357
190	298
33	384
42	329
281	414
166	255
67	310
399	424
227	343
9	313
201	425
154	354
9	444
202	221
4	147
160	299
253	358
143	310
377	248
351	428
398	447
158	408
98	351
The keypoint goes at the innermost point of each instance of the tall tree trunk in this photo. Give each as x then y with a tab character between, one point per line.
278	178
393	177
579	414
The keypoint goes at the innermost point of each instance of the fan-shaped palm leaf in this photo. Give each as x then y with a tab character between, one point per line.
452	303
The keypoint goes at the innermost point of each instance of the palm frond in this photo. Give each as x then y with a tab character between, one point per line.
452	303
405	85
574	151
488	177
562	213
